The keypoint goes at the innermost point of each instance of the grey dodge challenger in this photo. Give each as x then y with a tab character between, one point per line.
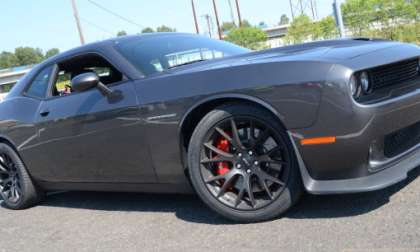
247	131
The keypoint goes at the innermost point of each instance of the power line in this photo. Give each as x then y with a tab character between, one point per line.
97	26
116	14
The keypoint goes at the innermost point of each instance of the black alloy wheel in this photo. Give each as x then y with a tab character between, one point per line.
257	159
16	186
242	164
10	185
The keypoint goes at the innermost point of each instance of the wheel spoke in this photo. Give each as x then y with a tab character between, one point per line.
267	159
5	181
265	187
224	134
215	178
265	176
216	160
235	135
218	151
3	169
228	180
262	137
252	131
273	150
238	199
248	188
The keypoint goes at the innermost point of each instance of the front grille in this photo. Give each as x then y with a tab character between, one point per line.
401	140
394	74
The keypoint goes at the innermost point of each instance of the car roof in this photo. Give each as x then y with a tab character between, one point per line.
116	40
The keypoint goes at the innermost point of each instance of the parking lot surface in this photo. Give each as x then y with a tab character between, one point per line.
386	220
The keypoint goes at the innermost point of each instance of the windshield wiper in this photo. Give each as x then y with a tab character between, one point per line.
187	63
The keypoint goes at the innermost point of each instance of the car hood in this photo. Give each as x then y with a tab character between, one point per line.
348	52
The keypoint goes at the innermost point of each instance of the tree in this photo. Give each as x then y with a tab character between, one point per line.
284	20
227	26
28	55
147	30
52	52
327	28
300	30
121	33
8	59
164	28
250	37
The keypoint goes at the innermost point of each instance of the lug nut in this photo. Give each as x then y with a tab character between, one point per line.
248	171
250	153
256	163
238	166
239	154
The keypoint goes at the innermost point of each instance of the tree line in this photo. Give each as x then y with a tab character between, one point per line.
25	56
388	19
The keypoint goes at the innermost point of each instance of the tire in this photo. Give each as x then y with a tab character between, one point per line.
287	185
13	168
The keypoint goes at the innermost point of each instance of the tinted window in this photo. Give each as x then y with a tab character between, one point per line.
157	53
39	85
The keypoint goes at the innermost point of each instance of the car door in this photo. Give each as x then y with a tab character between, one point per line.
89	137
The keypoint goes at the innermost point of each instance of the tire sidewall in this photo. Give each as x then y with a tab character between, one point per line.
29	193
283	202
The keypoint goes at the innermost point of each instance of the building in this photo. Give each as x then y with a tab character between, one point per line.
276	35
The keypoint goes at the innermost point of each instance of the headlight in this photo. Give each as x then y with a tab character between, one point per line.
365	83
354	87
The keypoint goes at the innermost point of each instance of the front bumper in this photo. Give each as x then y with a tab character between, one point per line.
395	172
356	161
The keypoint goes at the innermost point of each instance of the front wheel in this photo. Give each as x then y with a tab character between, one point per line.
242	164
16	186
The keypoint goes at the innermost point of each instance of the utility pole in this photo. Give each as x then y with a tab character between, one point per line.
219	29
339	19
238	9
76	16
197	29
232	16
207	17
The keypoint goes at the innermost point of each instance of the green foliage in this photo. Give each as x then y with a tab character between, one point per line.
28	55
121	33
300	30
227	26
304	29
25	56
389	19
52	52
284	20
246	36
165	28
147	30
8	59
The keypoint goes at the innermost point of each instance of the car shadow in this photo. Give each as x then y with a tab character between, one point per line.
189	208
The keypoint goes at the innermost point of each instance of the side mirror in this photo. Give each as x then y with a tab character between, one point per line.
83	82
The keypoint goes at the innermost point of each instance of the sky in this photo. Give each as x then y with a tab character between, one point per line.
50	23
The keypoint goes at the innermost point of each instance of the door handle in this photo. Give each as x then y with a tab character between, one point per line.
44	113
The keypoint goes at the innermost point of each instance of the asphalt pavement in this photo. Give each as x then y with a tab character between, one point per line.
386	220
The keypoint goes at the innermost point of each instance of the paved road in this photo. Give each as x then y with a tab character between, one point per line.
387	220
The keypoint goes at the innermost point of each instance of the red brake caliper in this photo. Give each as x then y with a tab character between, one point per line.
224	145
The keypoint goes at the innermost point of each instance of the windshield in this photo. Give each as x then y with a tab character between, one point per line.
155	54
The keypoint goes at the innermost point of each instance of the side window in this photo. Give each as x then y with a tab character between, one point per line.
88	63
39	85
